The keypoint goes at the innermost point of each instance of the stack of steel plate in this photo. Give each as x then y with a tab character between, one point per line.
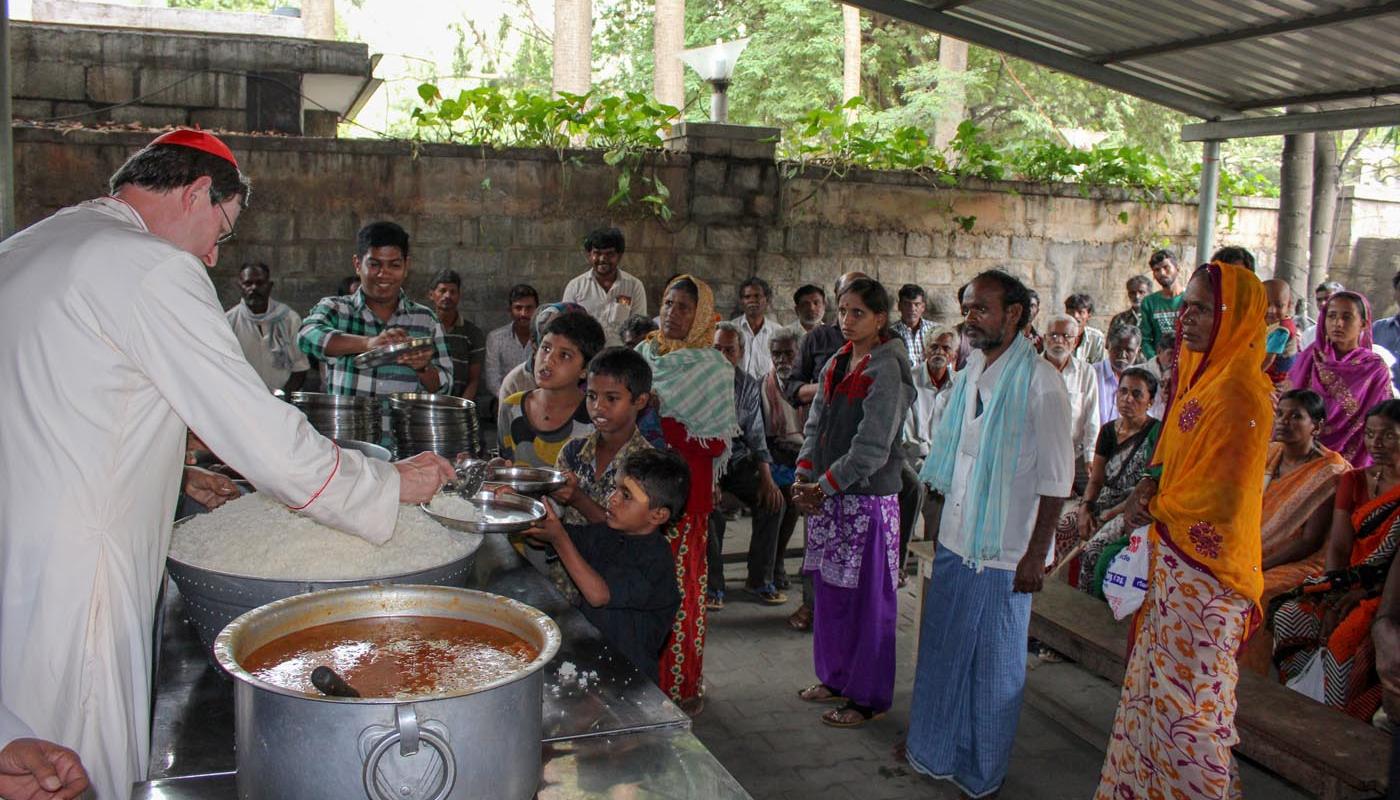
340	416
441	423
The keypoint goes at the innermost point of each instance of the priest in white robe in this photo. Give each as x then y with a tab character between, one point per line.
112	341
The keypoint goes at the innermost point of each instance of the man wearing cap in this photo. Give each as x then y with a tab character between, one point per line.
112	341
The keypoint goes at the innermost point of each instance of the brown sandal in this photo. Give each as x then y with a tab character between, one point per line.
839	718
801	619
831	696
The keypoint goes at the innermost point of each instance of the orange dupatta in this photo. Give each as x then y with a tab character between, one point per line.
1215	439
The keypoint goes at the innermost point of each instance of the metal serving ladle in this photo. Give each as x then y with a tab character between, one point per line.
471	474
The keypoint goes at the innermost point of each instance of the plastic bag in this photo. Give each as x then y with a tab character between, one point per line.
1125	584
1310	682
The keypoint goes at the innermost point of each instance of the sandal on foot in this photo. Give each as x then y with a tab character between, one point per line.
781	583
714	601
840	718
814	694
768	595
801	619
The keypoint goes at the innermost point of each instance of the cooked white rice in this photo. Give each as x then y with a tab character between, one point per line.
255	535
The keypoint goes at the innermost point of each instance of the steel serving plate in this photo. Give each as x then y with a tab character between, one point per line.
390	353
526	480
509	513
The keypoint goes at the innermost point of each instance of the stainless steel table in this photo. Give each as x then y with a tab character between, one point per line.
658	763
588	727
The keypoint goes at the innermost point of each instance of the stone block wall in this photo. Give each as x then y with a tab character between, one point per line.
159	79
1366	243
502	217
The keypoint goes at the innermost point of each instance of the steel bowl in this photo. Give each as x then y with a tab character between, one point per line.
213	599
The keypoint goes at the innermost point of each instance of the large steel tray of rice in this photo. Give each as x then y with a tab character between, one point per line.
253	550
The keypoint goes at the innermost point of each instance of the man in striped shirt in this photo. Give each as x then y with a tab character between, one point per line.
339	328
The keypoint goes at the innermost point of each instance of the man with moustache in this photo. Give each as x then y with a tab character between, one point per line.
267	331
1159	309
783	425
749	479
755	295
1083	386
932	381
606	291
1124	349
1137	288
1002	456
809	305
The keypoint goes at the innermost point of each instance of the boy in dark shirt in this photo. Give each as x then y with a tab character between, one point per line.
623	567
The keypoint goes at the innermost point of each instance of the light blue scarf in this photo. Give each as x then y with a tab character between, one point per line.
1003	424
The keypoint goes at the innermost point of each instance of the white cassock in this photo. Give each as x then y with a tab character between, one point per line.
112	341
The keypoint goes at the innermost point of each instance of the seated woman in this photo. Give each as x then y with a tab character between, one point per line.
1341	367
1300	481
1121	453
1336	624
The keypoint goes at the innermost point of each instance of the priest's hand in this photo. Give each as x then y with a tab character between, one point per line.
209	489
421	476
33	769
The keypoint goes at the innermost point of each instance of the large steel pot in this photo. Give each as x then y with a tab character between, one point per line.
480	745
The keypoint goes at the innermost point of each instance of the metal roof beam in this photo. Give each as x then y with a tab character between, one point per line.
1340	120
1046	56
1320	97
1254	32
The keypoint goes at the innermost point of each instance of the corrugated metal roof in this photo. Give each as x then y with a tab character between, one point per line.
1216	59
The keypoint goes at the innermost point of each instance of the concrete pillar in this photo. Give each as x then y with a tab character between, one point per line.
1209	194
668	39
7	133
850	63
318	19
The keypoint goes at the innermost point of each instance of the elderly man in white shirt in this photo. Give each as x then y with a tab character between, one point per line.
1083	386
755	296
1003	457
267	331
606	291
933	380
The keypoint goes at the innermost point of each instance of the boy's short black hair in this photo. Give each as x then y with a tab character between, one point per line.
381	234
663	475
625	365
1235	255
580	328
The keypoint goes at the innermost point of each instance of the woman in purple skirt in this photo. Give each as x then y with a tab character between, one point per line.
848	479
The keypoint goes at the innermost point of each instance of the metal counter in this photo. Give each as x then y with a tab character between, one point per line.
193	735
659	763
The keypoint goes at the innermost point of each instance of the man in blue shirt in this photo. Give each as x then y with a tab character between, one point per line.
1386	333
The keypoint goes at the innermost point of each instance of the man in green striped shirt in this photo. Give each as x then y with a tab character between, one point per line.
1159	309
379	313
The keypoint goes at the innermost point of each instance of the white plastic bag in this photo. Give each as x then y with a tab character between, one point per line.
1309	682
1125	584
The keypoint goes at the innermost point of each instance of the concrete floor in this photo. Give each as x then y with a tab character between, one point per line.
776	746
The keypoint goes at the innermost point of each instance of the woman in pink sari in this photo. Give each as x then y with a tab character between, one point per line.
1342	368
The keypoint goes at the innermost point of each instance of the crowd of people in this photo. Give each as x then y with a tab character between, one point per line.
1252	451
1026	446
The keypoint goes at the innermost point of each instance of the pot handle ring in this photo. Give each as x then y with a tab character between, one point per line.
408	735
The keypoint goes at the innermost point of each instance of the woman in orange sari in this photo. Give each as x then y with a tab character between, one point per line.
1336	625
1175	723
1300	481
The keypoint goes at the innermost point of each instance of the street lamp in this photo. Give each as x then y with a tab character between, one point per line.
715	64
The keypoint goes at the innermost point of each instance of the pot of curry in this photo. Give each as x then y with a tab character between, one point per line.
450	687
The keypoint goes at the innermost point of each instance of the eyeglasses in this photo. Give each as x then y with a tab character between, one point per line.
225	237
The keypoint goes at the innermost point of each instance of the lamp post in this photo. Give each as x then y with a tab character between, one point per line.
715	65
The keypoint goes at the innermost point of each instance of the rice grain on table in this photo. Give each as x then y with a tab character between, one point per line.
257	536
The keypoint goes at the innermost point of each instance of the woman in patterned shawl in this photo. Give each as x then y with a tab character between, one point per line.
1342	367
694	386
1175	723
1336	624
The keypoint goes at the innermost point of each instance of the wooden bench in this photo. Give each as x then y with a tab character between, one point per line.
1332	755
